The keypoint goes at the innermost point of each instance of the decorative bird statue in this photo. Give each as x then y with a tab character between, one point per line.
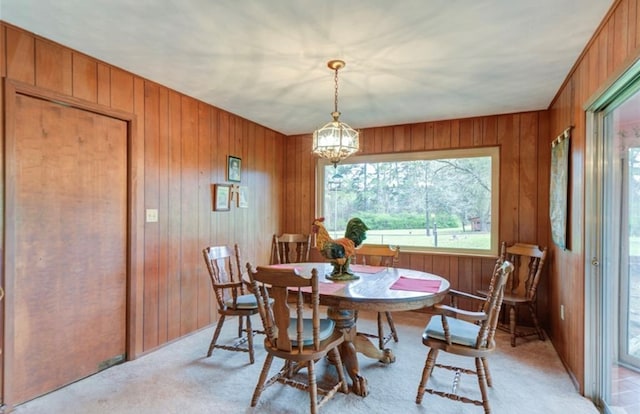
340	251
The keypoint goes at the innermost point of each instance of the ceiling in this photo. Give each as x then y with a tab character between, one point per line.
406	61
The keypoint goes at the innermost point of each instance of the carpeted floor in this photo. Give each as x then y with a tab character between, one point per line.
180	379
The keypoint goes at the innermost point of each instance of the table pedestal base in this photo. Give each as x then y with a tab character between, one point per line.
354	343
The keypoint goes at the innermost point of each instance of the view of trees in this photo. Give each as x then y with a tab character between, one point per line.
450	193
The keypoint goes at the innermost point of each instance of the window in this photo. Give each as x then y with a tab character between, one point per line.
444	201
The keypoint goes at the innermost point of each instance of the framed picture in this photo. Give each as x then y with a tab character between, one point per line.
234	168
221	197
558	189
243	197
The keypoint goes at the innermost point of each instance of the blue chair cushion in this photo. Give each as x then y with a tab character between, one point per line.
326	330
243	302
462	332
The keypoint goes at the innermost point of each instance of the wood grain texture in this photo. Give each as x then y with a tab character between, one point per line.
522	183
283	186
70	178
611	47
181	149
53	67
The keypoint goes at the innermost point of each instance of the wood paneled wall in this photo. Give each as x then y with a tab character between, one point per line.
613	46
524	183
184	145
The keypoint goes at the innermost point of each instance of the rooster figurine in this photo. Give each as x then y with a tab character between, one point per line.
340	251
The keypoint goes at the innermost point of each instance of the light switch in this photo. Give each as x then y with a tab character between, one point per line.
152	215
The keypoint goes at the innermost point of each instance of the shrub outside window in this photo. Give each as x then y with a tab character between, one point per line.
432	201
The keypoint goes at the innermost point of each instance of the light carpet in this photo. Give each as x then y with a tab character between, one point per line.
178	378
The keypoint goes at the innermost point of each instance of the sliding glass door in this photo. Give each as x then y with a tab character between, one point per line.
617	227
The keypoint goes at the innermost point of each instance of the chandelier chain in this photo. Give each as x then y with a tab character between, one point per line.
335	101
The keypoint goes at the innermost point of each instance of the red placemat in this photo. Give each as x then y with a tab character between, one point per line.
366	269
416	285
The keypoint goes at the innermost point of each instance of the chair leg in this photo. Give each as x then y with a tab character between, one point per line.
240	326
250	339
381	341
340	369
215	335
313	386
392	326
261	380
426	373
487	373
512	324
482	382
536	323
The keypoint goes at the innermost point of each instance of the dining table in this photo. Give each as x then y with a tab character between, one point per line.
375	288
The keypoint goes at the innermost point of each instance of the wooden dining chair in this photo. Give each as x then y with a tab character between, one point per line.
522	290
387	256
465	334
300	341
290	248
232	297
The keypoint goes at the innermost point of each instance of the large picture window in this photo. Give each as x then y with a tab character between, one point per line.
443	201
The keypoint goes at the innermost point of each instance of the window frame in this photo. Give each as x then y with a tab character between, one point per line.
485	151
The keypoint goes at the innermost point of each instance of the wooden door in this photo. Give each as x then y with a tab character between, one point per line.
66	240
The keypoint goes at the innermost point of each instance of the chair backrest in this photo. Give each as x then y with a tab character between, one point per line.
277	290
528	261
290	248
223	264
377	255
493	303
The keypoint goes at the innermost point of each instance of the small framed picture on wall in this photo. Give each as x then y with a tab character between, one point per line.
234	168
243	197
221	197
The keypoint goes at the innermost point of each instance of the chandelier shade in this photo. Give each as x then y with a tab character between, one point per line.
336	140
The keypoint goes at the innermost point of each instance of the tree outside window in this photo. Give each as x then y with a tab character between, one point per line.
434	200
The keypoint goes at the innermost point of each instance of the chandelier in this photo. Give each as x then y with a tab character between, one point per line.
336	140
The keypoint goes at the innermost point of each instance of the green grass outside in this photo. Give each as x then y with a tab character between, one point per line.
447	238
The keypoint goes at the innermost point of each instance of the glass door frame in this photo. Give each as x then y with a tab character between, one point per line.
598	289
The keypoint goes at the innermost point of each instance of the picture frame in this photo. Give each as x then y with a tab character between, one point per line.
221	197
243	197
234	169
558	189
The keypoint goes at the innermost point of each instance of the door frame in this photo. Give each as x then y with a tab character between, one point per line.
135	229
597	293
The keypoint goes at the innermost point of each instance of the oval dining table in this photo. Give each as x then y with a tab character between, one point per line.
376	289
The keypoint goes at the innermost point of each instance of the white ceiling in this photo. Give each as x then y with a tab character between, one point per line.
407	61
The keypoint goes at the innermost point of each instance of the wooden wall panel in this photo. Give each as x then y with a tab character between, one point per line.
3	52
20	50
173	213
53	67
121	90
162	203
204	296
191	256
612	47
181	149
518	135
104	84
418	136
85	77
136	161
152	230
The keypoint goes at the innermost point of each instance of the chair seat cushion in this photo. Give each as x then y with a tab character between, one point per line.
462	332
243	302
326	330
